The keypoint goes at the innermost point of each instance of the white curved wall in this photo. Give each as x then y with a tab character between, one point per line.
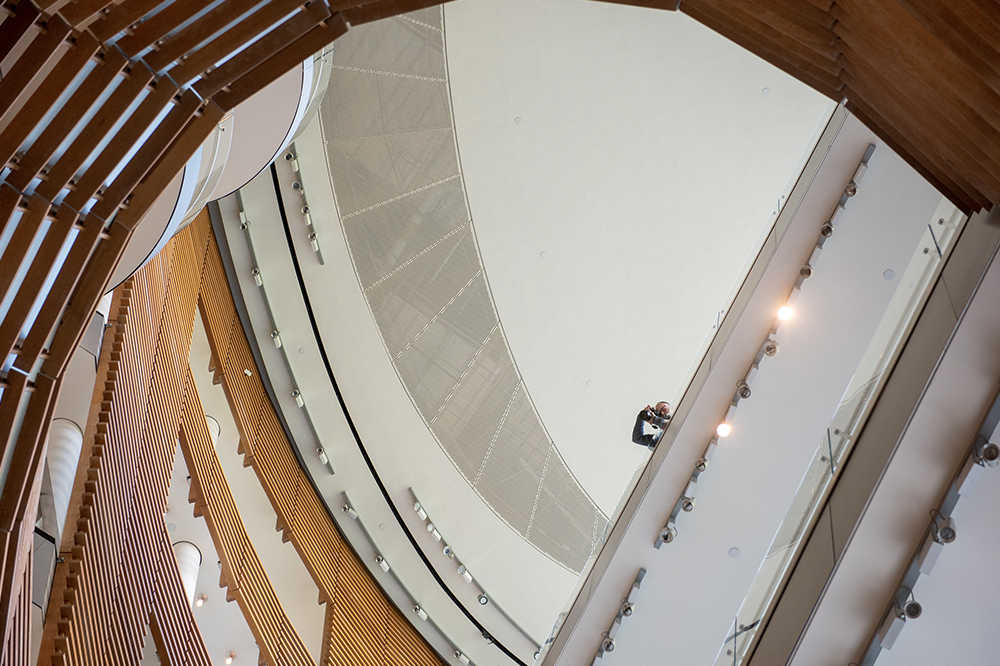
246	141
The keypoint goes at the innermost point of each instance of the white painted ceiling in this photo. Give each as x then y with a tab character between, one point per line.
694	588
392	436
260	127
670	130
959	597
638	151
395	438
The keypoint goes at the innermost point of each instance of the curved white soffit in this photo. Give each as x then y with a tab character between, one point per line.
268	122
392	154
245	142
159	224
197	180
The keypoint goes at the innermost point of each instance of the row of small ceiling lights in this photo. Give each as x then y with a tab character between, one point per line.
292	158
941	531
383	564
258	279
770	347
448	552
463	571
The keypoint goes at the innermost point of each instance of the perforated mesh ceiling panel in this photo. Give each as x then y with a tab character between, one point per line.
393	158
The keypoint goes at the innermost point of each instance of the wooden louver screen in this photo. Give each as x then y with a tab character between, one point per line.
243	575
362	625
120	574
159	61
122	557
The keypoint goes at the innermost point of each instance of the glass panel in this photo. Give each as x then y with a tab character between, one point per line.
859	398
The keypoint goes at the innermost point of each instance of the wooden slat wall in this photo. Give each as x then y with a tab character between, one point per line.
74	191
363	626
121	575
19	498
922	74
17	649
242	572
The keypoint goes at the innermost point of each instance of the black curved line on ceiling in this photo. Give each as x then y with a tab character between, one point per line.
288	134
354	430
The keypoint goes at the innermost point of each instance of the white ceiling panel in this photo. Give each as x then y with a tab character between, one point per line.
638	152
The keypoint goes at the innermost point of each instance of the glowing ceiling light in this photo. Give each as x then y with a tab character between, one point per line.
784	313
723	429
230	657
200	601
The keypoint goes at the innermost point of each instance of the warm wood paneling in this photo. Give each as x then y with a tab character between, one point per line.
79	186
16	651
121	575
243	574
19	497
363	626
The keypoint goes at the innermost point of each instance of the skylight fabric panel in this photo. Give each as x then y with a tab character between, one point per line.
387	239
393	158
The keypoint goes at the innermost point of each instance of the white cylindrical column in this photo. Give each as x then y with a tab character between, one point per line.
188	563
214	429
104	307
63	457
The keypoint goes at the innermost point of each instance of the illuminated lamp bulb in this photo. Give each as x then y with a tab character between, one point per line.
200	601
230	657
784	313
723	429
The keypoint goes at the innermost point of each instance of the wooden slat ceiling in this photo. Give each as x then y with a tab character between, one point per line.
362	624
168	96
243	574
119	580
120	555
